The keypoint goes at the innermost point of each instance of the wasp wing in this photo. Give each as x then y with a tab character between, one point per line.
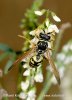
54	69
24	56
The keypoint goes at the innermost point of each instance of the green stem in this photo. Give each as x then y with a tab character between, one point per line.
46	87
36	5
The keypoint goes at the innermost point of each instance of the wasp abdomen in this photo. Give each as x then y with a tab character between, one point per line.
34	62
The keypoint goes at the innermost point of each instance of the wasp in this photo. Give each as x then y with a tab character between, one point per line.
39	51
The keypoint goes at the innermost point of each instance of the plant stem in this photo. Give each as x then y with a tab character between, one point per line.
59	37
46	87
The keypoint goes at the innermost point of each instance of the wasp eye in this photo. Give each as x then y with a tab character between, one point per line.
49	33
48	37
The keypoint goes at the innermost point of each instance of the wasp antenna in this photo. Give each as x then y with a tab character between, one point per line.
24	38
21	36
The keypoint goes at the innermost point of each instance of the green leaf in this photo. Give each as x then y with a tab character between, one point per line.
10	63
8	66
30	22
37	4
5	98
4	55
5	47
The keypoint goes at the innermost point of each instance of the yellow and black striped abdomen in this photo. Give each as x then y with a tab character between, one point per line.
34	62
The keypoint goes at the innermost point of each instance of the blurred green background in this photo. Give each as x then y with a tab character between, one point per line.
11	13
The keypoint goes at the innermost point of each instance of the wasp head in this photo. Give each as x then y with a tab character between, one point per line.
45	37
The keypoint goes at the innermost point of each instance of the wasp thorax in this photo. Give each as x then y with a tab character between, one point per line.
44	36
42	45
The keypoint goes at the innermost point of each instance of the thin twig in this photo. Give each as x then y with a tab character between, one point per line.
59	37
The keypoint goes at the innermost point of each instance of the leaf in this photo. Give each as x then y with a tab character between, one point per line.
4	55
37	4
5	98
10	63
5	47
8	66
30	21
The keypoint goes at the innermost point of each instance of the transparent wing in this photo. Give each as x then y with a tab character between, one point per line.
24	56
54	69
